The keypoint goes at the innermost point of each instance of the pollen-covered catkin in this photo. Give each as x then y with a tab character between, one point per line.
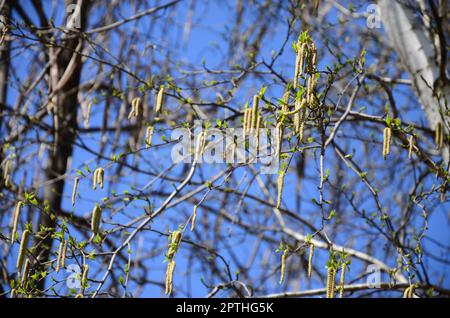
331	273
135	107
194	217
411	146
6	172
149	136
386	142
258	126
283	265
159	100
98	178
96	217
74	190
439	135
280	183
173	247
310	258
16	220
88	115
22	248
169	277
200	146
254	111
26	270
342	280
59	257
63	256
409	292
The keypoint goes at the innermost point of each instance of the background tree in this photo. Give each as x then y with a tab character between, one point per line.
93	204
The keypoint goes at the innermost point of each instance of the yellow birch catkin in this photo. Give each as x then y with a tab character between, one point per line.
6	172
194	217
96	218
280	183
439	135
310	258
254	112
258	127
331	272
88	115
16	220
74	190
342	280
63	256
135	107
149	136
169	277
411	146
98	178
26	270
386	142
60	253
283	265
173	247
22	248
159	100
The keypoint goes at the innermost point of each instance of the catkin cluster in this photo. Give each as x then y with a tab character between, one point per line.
173	247
306	59
135	107
61	258
409	291
252	121
194	217
98	178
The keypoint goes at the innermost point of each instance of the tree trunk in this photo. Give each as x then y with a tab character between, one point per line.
421	54
65	127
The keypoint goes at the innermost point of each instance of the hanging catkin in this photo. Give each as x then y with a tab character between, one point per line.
283	265
342	280
254	115
59	257
6	172
411	146
173	247
159	100
98	178
22	248
310	259
88	115
96	218
74	190
135	107
169	277
194	217
280	183
258	127
26	270
331	273
149	136
439	135
16	220
386	142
